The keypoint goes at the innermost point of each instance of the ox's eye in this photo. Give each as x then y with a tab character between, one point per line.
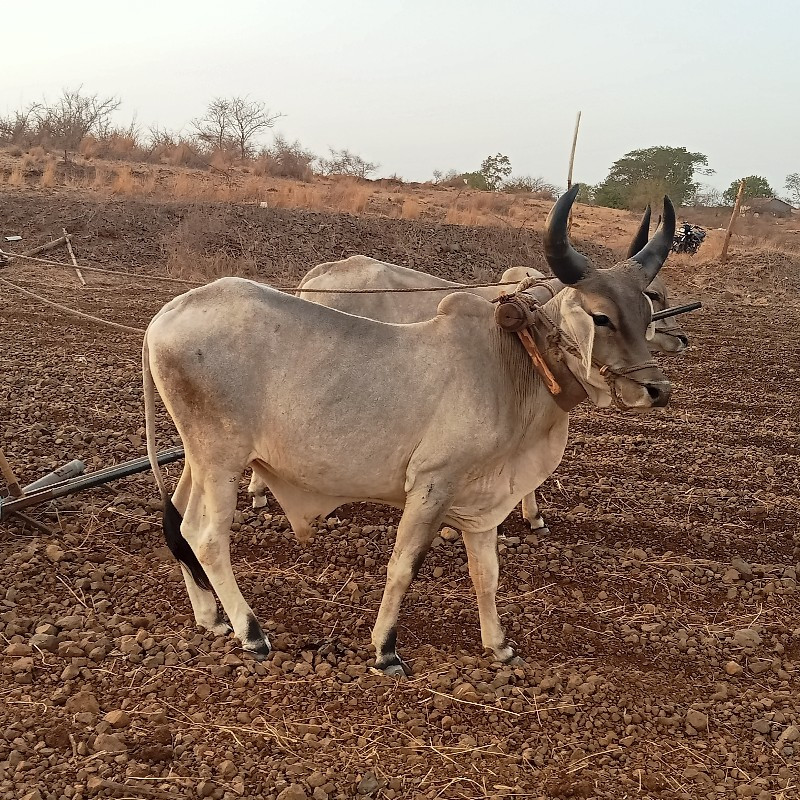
602	320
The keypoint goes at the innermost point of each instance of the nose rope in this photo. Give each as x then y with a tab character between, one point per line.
559	341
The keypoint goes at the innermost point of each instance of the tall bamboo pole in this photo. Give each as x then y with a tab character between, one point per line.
724	255
572	163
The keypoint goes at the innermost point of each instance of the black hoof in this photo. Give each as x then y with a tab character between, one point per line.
258	650
394	667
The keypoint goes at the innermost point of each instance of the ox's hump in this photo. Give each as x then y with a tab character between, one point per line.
464	304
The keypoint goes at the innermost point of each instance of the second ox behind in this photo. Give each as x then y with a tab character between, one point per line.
446	419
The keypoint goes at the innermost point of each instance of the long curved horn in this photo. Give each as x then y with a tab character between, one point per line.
642	235
652	257
567	264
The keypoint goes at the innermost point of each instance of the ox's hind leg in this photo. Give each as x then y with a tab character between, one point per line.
415	534
484	570
204	604
207	529
531	513
257	489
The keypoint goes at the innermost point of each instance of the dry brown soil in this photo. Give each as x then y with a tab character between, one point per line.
658	618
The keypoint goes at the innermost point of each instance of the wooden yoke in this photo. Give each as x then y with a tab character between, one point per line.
515	315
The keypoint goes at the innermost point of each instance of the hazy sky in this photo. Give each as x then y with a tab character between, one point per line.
421	85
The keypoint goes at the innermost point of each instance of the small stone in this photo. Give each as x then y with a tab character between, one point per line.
83	701
54	553
118	718
746	637
293	792
205	788
18	649
44	641
449	534
73	622
742	567
369	784
34	794
316	779
762	726
155	752
697	719
734	669
24	664
466	691
227	769
109	743
791	734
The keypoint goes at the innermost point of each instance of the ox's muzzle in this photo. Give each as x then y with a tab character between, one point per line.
638	388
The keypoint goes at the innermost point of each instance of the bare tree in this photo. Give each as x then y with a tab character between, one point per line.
248	118
233	123
343	162
20	127
214	129
73	116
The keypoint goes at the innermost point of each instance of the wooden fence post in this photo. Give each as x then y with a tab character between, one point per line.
78	272
724	255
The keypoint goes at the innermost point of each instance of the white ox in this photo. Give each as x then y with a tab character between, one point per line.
365	273
446	419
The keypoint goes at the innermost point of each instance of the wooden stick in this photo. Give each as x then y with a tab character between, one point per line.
67	237
538	362
34	523
9	477
571	164
724	255
48	246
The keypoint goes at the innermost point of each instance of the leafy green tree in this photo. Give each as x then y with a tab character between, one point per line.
586	194
495	169
610	194
643	176
754	186
793	186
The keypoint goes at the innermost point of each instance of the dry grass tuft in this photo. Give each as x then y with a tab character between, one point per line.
349	196
49	176
124	182
17	176
201	248
411	209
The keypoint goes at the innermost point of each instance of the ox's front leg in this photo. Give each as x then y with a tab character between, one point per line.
207	529
484	570
531	513
415	533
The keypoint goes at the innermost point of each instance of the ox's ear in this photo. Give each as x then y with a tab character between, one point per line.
579	326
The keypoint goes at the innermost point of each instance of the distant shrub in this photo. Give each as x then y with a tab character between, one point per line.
538	187
284	159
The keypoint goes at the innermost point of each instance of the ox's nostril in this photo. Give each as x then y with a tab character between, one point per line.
659	392
684	340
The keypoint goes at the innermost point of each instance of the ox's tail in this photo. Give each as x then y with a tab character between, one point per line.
176	542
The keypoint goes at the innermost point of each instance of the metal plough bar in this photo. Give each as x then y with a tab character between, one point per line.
81	482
